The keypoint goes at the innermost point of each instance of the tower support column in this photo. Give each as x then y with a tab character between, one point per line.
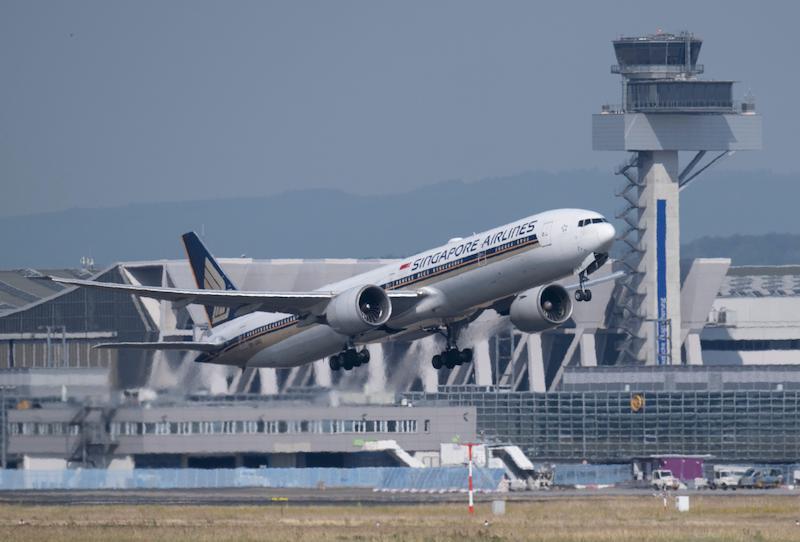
659	240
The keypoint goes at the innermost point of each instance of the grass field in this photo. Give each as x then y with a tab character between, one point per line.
640	519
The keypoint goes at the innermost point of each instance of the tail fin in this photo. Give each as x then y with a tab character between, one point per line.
208	275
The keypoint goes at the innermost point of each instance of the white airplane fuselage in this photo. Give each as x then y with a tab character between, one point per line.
459	278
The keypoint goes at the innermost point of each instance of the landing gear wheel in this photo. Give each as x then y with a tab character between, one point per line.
452	358
582	294
349	360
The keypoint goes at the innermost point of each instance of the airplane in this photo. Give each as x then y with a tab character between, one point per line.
511	269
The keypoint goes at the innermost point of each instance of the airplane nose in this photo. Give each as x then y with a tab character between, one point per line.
605	237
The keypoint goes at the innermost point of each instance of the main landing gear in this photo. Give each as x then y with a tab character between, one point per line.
452	356
349	359
583	294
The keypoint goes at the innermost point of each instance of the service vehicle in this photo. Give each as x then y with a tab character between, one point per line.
727	476
761	478
663	479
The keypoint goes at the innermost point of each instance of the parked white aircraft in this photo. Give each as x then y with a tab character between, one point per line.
510	269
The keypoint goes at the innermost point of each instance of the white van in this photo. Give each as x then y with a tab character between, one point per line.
727	476
663	479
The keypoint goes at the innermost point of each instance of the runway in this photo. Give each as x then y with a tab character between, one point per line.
332	497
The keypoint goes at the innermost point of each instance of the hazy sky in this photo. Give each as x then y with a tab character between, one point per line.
106	103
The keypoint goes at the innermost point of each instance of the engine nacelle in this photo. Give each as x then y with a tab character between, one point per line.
541	308
358	310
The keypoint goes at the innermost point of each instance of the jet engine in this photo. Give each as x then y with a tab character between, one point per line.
541	308
358	310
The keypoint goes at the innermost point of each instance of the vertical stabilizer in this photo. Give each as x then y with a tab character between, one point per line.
208	275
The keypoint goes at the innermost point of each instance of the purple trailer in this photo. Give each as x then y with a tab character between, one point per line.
683	467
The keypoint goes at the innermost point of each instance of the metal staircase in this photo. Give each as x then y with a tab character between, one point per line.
94	443
628	315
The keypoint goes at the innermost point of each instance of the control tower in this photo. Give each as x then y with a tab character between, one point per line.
664	109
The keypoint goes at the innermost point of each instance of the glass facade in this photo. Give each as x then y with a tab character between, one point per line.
254	427
224	427
751	344
612	426
44	429
100	316
635	52
679	96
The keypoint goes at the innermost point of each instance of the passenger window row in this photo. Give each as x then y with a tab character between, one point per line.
587	221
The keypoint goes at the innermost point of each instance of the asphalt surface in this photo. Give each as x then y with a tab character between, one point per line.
322	497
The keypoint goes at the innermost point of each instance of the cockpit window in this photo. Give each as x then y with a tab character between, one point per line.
587	221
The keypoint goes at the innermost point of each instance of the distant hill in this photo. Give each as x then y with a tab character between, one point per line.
331	223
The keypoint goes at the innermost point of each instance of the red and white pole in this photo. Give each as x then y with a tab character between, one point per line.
471	501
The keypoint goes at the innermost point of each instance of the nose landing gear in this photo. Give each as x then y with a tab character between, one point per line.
349	359
583	294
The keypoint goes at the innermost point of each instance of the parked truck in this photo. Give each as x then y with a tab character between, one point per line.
727	476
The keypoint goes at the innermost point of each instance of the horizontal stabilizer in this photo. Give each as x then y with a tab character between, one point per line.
163	345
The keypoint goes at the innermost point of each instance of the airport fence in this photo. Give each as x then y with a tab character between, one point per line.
586	475
378	478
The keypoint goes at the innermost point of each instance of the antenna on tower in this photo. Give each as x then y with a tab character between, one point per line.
87	263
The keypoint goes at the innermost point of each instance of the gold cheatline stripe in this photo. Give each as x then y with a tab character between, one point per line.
212	277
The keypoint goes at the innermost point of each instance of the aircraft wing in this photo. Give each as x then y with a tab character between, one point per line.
286	302
163	345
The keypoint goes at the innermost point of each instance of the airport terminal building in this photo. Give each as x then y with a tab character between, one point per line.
558	395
